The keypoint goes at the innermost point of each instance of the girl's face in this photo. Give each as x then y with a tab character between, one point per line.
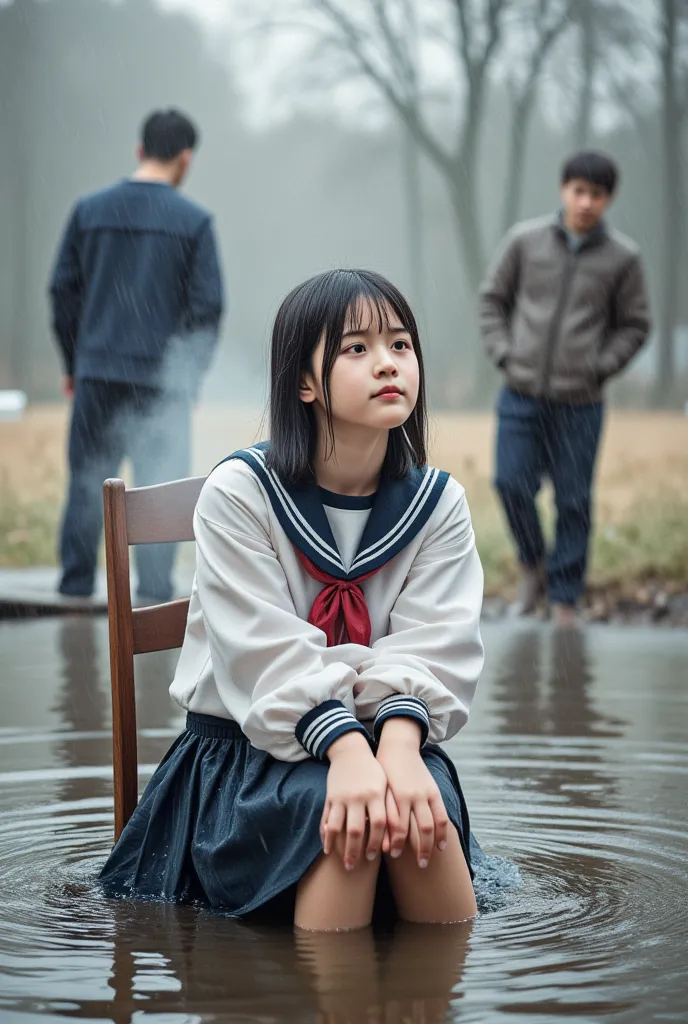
375	378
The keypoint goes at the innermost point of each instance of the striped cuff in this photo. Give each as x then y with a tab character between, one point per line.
320	727
401	706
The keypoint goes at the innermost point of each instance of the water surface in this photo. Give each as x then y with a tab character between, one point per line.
574	764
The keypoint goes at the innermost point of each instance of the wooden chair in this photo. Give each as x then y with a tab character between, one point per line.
139	515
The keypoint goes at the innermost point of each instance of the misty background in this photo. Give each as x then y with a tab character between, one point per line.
391	134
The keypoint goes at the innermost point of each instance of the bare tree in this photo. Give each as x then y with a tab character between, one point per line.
589	52
412	169
544	22
14	31
443	115
605	75
673	59
431	65
383	53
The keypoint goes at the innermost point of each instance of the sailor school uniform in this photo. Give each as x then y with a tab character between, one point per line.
312	614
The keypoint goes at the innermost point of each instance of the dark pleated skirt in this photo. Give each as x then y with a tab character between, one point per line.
223	824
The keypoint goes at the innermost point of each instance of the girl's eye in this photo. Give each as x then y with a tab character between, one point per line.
400	344
357	348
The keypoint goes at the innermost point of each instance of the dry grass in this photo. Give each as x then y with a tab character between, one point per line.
641	498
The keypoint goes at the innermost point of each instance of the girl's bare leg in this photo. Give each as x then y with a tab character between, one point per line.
344	974
438	894
330	898
423	971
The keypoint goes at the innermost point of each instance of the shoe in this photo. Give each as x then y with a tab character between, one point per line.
531	590
77	600
81	595
565	616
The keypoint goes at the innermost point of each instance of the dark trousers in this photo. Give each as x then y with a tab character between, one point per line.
537	437
111	421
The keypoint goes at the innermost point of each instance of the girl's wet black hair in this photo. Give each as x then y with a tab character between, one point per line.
323	304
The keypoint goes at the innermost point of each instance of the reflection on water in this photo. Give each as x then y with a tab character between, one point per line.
82	706
574	766
544	689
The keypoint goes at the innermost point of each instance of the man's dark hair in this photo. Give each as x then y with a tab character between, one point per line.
166	134
594	167
323	306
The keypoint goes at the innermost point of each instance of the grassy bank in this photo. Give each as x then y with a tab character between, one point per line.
641	499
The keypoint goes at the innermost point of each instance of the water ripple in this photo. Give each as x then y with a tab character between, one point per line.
588	882
575	776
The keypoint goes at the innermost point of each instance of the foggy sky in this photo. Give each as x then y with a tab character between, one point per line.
296	197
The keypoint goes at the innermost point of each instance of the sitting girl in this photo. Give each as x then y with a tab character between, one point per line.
332	642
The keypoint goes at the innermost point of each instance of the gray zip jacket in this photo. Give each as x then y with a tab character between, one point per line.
561	321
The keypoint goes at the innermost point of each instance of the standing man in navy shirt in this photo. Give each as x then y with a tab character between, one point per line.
136	298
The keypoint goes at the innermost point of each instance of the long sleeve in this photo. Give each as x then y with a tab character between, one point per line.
189	353
66	293
630	321
497	300
429	663
272	669
205	293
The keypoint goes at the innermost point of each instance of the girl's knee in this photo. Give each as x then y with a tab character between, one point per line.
438	894
330	898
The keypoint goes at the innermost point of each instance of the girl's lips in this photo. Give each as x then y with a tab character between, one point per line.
388	393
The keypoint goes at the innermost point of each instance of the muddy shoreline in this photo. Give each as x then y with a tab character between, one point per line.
653	603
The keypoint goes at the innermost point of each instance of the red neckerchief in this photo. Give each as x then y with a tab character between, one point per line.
339	609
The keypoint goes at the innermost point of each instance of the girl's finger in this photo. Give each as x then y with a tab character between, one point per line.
413	835
426	831
355	832
397	823
441	820
392	816
377	826
385	841
324	817
333	826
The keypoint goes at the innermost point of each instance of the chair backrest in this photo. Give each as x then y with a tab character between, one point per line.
139	515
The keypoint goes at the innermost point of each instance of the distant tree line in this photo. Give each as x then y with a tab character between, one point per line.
479	97
433	63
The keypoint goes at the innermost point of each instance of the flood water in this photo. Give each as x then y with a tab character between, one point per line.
574	764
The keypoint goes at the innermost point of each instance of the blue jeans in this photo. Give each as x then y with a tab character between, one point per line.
538	437
110	421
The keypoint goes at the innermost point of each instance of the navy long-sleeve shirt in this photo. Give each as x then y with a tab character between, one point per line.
136	290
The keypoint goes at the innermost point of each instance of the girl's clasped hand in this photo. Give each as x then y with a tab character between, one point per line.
378	803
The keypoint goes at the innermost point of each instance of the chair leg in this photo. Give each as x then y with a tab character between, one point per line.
124	753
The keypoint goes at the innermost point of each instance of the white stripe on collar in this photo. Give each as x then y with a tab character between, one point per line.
301	524
301	515
415	508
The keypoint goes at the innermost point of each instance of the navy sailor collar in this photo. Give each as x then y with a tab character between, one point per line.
400	510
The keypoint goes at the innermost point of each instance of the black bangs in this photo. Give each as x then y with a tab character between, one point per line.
327	305
597	168
369	306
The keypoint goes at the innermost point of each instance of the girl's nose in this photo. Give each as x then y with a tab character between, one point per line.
386	365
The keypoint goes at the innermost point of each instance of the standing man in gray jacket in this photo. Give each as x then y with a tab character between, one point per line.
563	309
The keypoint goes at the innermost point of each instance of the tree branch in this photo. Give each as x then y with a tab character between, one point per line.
397	50
464	38
407	111
547	36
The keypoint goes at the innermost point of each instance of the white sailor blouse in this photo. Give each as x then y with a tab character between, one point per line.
312	613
